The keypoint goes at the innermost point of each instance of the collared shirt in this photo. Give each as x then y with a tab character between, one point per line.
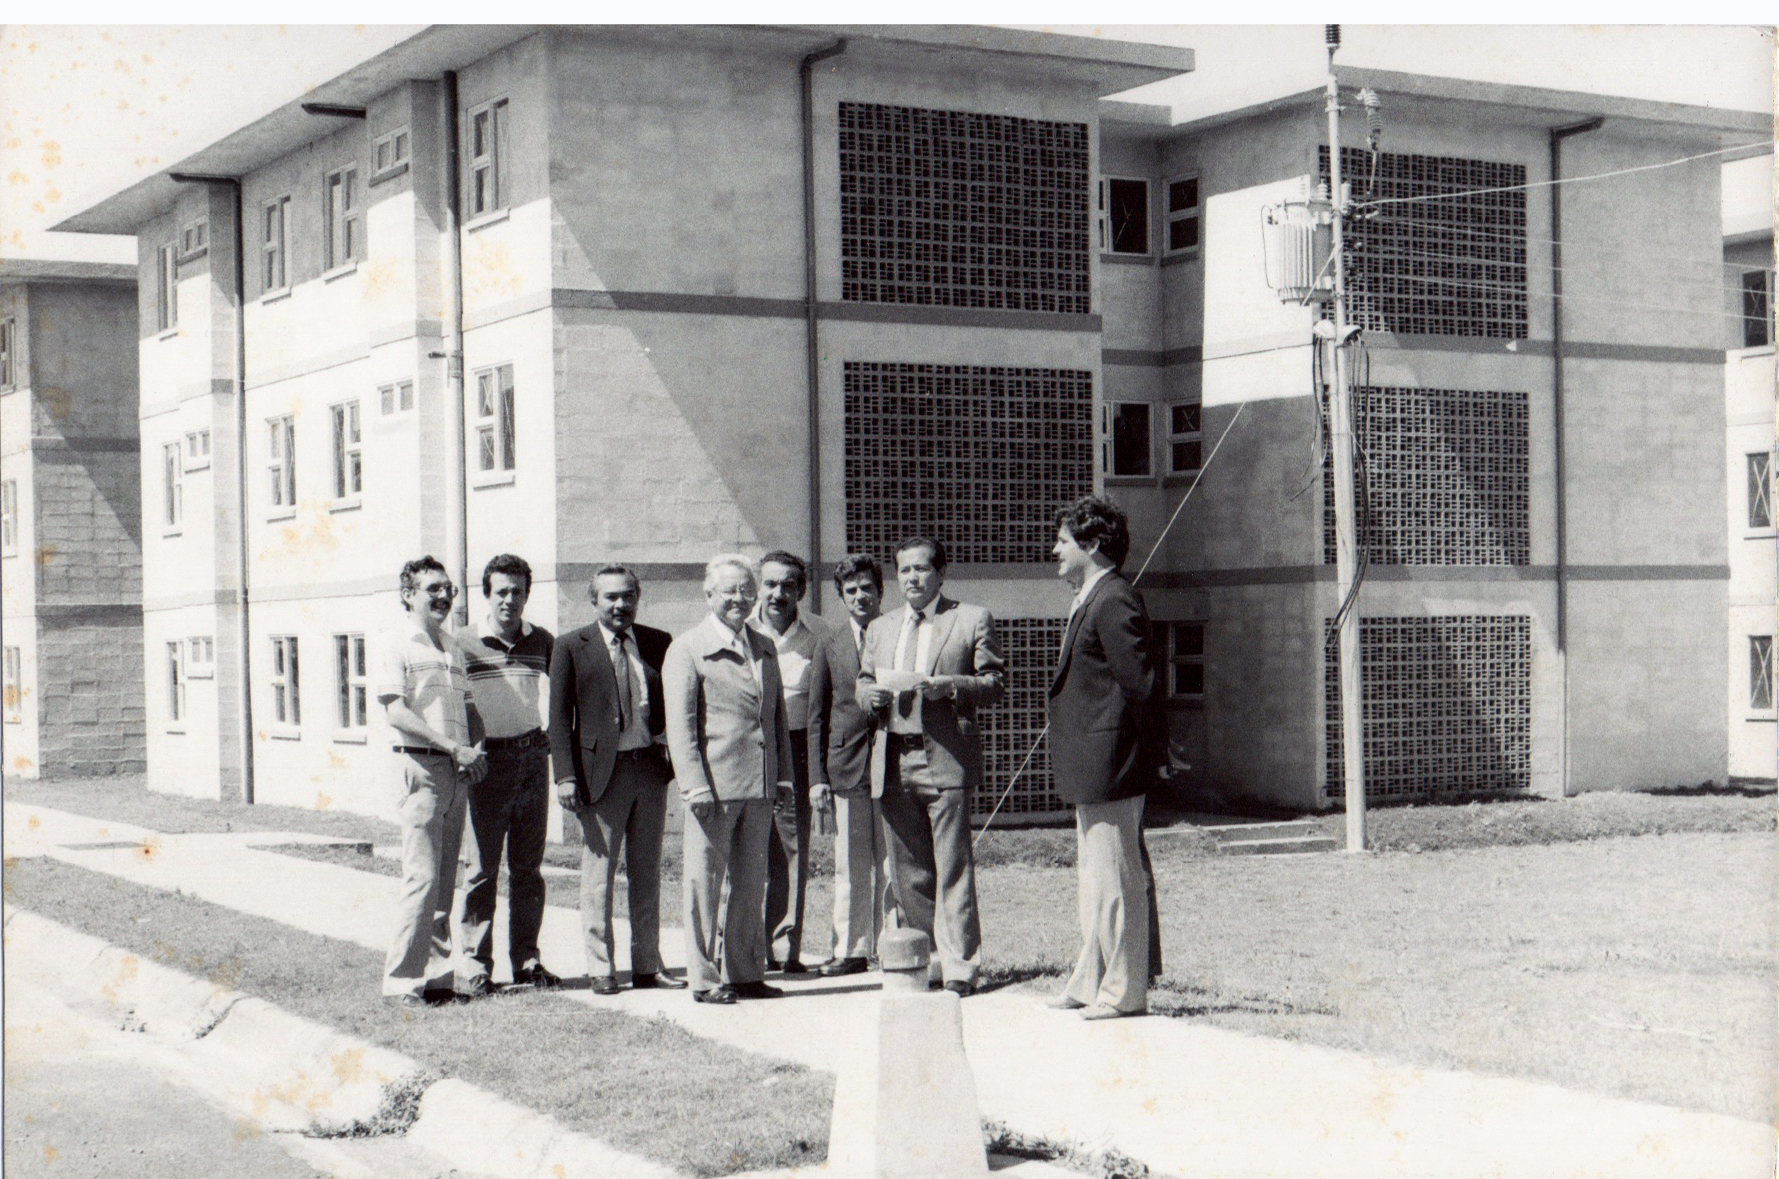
737	642
858	632
511	681
926	635
635	734
1087	585
429	679
796	651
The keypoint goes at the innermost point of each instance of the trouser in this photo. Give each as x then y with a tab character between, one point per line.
864	904
511	808
725	887
1114	889
431	816
787	858
931	867
628	819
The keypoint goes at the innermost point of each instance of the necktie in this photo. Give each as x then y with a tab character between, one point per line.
621	669
909	656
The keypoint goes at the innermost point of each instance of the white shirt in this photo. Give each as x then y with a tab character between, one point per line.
1092	580
796	651
926	635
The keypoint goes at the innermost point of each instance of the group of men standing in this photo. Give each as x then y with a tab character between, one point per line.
768	721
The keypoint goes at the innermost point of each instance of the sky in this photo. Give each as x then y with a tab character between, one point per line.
86	110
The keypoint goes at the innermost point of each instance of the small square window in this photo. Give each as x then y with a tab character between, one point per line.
200	657
197	450
1180	647
391	150
395	398
194	238
1126	443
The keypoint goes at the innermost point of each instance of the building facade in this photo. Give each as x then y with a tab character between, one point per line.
1749	392
71	495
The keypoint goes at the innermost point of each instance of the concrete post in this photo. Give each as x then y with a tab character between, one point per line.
905	1107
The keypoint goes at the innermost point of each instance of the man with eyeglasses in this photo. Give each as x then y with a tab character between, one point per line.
424	689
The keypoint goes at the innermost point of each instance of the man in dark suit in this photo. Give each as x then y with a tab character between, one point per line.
1105	744
924	672
840	771
607	743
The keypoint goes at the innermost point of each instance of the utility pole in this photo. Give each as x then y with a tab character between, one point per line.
1334	337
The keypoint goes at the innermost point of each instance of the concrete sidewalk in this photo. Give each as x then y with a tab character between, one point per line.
1183	1098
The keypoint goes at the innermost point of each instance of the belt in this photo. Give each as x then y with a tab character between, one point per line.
643	754
420	751
522	741
905	740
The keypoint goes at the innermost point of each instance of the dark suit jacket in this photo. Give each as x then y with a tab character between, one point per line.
584	705
839	730
1105	728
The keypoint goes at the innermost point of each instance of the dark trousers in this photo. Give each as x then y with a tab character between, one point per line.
787	859
931	867
509	808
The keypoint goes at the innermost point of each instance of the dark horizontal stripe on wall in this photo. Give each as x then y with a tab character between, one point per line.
1215	578
1303	574
124	614
73	450
1649	573
1138	358
1572	349
743	306
1128	259
570	572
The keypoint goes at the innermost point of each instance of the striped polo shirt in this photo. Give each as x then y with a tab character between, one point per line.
428	679
511	683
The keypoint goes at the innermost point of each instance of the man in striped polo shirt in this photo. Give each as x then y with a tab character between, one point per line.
509	666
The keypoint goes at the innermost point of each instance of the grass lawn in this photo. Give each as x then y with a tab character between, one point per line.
125	799
641	1084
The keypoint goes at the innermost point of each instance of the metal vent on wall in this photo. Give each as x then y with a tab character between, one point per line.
1448	477
1448	706
977	457
952	209
1450	266
1010	727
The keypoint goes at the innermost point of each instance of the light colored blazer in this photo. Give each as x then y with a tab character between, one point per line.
963	655
726	734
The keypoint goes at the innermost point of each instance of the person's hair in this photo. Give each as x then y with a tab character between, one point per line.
508	564
1091	518
413	569
730	560
789	561
915	542
611	570
857	565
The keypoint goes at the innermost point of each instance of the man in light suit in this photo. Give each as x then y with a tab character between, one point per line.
924	672
608	744
840	771
732	758
1106	740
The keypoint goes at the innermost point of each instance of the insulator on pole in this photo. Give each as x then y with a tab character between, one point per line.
1331	36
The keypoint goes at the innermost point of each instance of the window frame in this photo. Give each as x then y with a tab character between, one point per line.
194	459
177	679
284	682
12	685
200	657
9	517
194	239
274	253
347	435
399	142
172	487
499	426
1182	437
395	397
1109	418
352	686
166	288
486	200
281	464
342	223
1169	658
1170	216
1757	315
1760	674
1759	491
9	352
1103	229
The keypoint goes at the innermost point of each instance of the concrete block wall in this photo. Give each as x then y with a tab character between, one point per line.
90	703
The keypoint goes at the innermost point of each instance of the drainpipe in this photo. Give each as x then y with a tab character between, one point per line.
1557	135
811	329
243	599
459	498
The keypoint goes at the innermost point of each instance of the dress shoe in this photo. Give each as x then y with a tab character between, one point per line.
476	986
603	985
535	976
650	980
441	997
1101	1011
722	995
756	990
1063	1003
961	989
844	966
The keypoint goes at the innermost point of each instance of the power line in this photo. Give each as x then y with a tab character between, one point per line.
1449	196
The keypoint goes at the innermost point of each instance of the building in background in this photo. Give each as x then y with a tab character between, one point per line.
71	518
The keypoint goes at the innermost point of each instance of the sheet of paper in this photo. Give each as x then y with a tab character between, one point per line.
897	680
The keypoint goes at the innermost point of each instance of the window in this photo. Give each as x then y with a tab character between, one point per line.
9	517
176	681
281	460
200	660
396	398
286	703
8	353
274	233
487	147
197	449
1760	490
348	452
342	218
1124	216
1125	443
1757	309
1760	672
391	150
173	486
1180	647
494	419
14	685
349	670
1183	234
194	239
166	288
1185	438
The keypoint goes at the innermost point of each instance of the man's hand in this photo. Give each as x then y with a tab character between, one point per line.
471	761
702	807
879	696
819	795
565	792
939	688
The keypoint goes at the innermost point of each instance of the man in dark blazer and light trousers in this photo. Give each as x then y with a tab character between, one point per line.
732	759
608	744
925	671
1105	746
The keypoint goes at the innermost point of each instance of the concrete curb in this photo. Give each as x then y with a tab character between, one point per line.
490	1135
